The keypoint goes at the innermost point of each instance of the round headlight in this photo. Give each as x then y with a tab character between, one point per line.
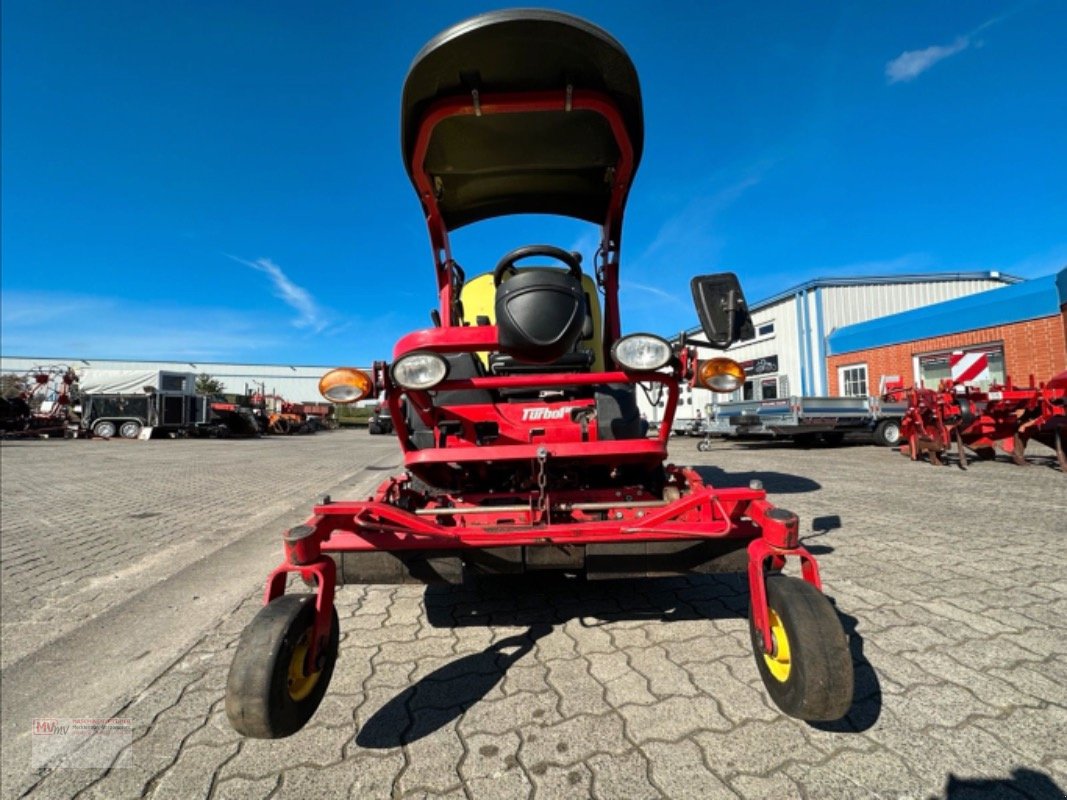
345	385
721	375
420	370
641	352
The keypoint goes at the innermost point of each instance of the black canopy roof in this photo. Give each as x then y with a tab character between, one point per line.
512	163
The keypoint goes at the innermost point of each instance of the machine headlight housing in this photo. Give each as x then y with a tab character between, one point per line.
345	385
420	370
722	375
641	352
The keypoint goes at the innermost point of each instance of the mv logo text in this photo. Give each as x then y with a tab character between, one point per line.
48	727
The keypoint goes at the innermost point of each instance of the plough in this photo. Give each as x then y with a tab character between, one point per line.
1003	416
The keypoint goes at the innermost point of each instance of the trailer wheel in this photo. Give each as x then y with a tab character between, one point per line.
130	430
809	672
105	429
703	445
268	696
373	428
887	433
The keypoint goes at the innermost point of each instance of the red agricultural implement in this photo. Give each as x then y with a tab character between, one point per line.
42	405
516	413
982	420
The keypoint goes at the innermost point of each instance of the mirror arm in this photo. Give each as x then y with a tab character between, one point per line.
731	312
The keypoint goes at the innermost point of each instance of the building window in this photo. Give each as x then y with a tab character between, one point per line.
769	388
853	380
766	329
935	367
746	391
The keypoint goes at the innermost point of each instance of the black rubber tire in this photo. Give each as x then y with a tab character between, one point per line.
819	685
130	429
281	427
258	702
373	428
985	453
887	433
105	429
703	446
832	438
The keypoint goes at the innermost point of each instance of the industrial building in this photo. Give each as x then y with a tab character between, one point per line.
297	383
1020	329
788	356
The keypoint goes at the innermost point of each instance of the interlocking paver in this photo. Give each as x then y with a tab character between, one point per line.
643	689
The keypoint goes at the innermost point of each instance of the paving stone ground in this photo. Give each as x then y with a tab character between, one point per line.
87	523
950	584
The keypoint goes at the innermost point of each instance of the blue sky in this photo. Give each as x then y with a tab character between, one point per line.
223	181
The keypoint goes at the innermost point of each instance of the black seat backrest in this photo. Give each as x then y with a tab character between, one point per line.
540	314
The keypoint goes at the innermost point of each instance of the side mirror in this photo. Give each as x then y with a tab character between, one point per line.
722	309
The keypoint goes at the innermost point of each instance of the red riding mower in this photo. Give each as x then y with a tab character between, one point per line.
523	446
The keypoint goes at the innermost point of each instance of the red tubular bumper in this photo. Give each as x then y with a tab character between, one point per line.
702	513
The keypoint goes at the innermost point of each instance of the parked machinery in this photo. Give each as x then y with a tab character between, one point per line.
1003	416
42	405
516	413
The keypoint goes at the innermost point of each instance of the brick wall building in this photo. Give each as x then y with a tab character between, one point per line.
1022	329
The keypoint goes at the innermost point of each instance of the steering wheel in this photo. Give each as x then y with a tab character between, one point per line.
507	263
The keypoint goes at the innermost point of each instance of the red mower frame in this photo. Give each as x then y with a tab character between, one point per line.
560	523
375	524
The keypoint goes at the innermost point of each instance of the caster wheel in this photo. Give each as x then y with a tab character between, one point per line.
703	446
809	672
268	694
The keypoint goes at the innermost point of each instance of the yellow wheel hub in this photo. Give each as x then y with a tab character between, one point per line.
300	685
778	660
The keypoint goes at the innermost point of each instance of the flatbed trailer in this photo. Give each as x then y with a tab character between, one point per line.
808	419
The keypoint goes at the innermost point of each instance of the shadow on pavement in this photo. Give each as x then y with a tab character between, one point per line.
821	526
790	444
550	598
1023	783
773	482
538	602
445	693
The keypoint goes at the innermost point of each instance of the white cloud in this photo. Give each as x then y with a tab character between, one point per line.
296	297
910	64
655	291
